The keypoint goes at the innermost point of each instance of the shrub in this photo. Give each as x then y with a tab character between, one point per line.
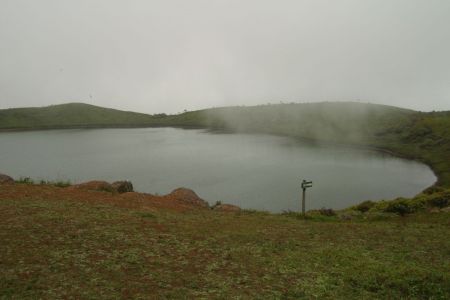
62	183
25	180
122	186
365	206
216	204
441	200
400	207
106	188
327	212
433	189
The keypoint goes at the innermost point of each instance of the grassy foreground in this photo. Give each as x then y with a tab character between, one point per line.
95	245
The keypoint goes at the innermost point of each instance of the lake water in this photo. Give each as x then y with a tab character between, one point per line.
253	171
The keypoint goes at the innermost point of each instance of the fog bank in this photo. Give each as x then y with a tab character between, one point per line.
167	56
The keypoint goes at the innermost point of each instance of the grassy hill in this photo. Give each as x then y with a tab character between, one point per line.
321	120
415	135
70	115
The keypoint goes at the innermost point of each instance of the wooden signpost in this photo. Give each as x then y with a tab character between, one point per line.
305	184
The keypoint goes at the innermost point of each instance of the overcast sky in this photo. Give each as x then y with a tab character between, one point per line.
170	55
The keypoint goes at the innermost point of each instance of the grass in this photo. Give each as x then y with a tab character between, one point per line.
71	115
71	249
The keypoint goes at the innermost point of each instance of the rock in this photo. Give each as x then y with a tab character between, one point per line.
226	207
5	179
346	217
327	212
122	186
446	209
350	215
188	196
95	185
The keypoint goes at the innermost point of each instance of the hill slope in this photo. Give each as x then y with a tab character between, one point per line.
415	135
322	120
69	115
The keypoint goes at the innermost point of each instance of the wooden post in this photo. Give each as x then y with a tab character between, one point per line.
305	185
303	201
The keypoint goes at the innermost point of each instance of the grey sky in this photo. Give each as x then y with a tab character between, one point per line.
169	55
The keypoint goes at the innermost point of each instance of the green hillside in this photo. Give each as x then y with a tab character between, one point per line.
415	135
411	134
69	115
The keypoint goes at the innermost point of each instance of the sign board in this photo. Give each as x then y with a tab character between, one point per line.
306	184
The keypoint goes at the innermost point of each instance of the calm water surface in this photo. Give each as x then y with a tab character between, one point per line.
252	171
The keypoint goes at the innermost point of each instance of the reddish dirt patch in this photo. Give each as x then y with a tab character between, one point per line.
95	185
88	193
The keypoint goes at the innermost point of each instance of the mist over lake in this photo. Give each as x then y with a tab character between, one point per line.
253	171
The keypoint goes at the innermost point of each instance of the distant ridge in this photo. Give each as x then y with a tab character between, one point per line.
91	116
69	115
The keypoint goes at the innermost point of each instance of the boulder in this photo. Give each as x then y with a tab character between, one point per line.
95	185
5	179
446	209
226	207
188	196
122	186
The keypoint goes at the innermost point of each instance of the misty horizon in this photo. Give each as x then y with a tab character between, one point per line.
170	56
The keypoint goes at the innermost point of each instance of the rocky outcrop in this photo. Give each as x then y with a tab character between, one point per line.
446	209
122	186
5	179
187	196
181	197
95	185
227	207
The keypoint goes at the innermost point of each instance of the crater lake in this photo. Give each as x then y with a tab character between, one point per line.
252	171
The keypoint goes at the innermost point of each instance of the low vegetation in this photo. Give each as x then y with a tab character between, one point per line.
79	244
28	180
421	202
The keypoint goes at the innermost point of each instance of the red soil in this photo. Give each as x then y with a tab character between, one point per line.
179	200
